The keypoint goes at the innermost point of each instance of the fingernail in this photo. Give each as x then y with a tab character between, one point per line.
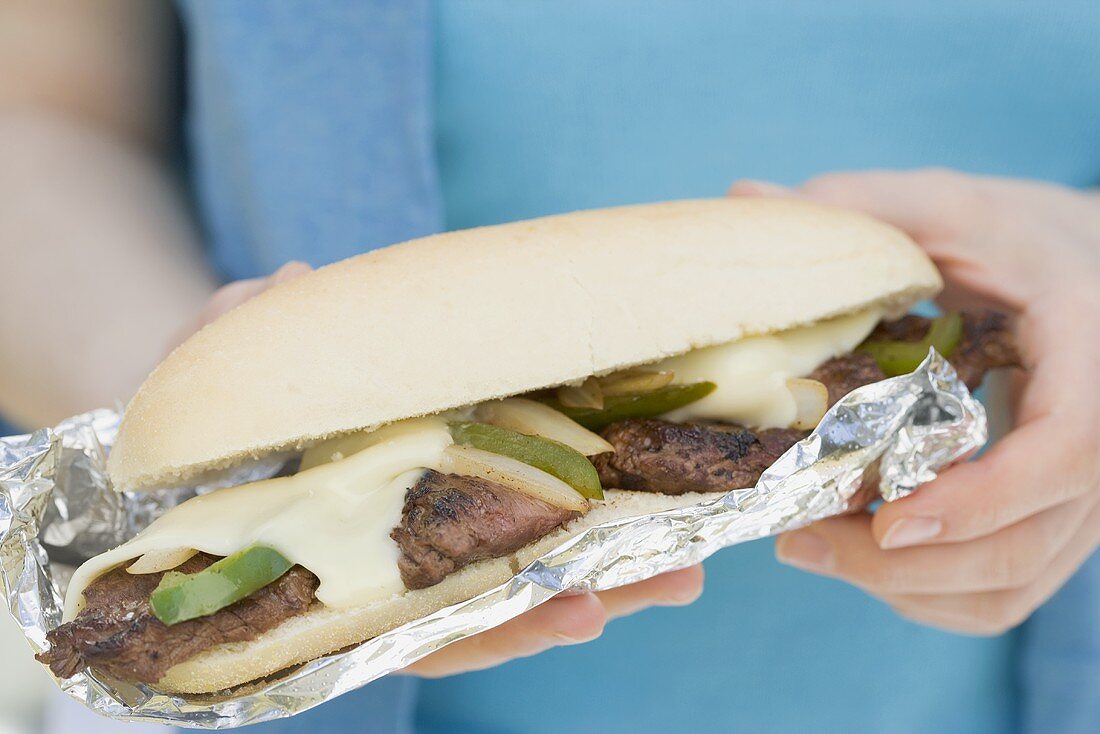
684	596
289	271
911	531
807	550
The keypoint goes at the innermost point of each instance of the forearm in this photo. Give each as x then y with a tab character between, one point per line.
101	267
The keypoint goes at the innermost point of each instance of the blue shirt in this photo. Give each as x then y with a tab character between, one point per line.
320	130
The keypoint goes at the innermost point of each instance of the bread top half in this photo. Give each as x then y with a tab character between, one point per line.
467	316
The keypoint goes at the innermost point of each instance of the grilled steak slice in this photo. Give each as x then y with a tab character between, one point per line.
986	343
449	521
118	634
845	373
674	458
909	328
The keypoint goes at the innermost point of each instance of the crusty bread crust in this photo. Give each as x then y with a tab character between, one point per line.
468	316
320	630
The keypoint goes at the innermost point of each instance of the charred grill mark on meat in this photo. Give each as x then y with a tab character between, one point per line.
450	521
118	634
674	458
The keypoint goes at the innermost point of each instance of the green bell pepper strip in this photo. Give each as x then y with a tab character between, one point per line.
183	596
635	405
899	358
552	457
946	332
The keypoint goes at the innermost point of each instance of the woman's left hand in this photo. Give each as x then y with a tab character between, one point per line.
981	547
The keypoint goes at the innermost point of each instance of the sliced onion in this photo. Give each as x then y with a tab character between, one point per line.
586	395
160	560
536	419
811	400
471	462
635	380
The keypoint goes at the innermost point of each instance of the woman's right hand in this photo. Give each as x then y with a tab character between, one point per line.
567	619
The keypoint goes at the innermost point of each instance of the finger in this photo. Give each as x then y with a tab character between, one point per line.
978	230
1051	458
995	612
560	621
913	201
930	204
676	588
1013	481
230	296
1012	558
233	294
288	272
224	299
921	202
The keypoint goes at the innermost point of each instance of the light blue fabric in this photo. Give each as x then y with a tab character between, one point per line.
553	106
317	131
310	128
541	110
1060	659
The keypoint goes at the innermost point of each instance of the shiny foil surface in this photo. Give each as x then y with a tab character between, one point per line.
57	508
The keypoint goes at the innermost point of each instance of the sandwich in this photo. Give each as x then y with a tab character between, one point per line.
446	410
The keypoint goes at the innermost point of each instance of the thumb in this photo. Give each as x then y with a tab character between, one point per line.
977	234
936	207
918	202
929	204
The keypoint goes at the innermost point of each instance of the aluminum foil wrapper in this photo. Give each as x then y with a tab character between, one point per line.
57	508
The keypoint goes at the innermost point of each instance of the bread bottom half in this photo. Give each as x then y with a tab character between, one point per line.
322	630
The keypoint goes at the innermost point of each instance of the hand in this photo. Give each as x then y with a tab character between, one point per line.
563	620
567	619
981	547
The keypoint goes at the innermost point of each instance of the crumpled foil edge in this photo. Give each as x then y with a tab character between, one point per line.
56	507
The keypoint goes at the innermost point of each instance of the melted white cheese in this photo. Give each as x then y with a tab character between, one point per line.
335	515
334	519
751	374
